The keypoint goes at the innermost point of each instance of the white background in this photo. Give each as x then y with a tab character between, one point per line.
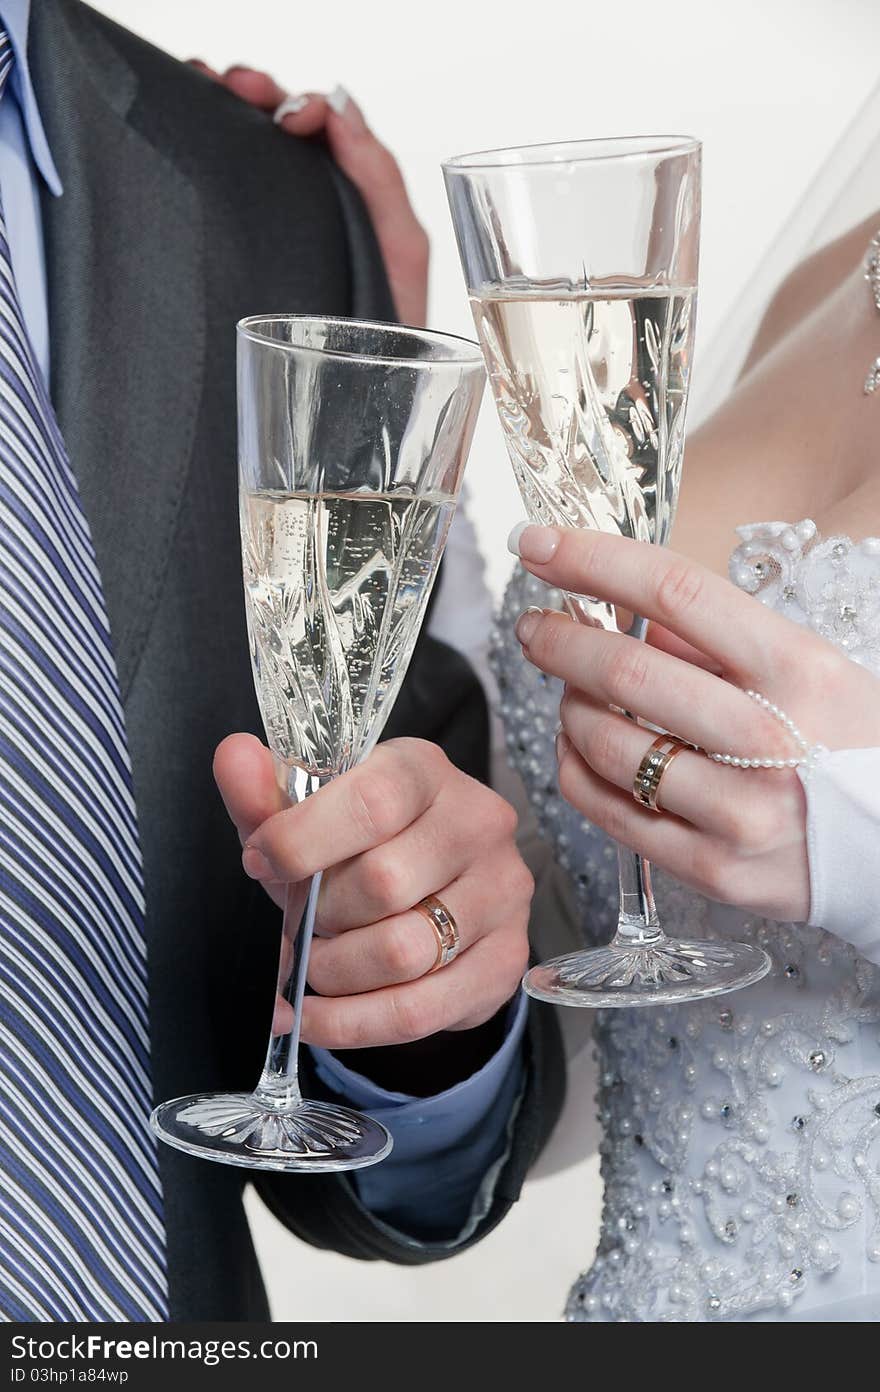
769	85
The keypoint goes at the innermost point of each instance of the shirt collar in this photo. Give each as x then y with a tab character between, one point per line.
15	16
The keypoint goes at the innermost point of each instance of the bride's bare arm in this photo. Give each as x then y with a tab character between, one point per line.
808	285
797	437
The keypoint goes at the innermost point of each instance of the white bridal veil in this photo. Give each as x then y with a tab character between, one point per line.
844	191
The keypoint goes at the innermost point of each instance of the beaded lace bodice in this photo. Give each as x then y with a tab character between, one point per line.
741	1150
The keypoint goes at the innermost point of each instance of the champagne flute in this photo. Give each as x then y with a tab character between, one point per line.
581	265
353	438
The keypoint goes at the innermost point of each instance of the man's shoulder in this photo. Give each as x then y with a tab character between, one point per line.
207	127
283	224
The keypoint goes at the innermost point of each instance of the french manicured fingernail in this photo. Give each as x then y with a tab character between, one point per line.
527	623
338	100
291	105
513	539
531	543
344	105
563	744
255	864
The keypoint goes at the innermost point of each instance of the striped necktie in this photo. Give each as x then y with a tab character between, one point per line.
81	1229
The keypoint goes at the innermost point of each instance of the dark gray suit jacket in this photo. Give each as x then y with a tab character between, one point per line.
183	210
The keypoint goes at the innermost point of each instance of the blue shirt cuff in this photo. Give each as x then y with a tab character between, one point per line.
444	1145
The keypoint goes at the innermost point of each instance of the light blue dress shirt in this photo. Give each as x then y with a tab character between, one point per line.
445	1145
25	157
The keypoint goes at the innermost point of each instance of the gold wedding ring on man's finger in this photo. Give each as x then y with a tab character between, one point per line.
445	931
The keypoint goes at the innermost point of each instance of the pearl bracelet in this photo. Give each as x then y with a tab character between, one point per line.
806	758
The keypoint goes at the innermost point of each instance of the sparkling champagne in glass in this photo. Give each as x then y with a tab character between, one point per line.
352	443
581	265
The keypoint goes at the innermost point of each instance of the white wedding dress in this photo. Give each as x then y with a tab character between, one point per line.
741	1151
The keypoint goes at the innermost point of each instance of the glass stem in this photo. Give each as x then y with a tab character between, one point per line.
278	1088
637	924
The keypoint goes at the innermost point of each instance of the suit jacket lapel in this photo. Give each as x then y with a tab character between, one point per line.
126	312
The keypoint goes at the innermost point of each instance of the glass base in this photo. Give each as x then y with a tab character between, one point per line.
665	973
236	1129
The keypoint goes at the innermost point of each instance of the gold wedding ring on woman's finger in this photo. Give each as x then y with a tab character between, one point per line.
445	931
655	762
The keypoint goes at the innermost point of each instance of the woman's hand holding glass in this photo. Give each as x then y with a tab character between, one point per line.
736	835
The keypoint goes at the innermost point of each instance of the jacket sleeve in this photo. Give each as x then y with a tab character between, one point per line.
324	1209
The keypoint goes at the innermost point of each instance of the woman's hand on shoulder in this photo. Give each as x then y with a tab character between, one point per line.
369	164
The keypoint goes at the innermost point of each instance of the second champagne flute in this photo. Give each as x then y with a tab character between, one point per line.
581	264
353	438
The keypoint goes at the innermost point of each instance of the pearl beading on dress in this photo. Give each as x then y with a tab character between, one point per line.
741	1137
